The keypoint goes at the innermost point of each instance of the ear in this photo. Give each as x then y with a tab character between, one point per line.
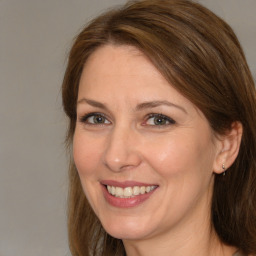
228	148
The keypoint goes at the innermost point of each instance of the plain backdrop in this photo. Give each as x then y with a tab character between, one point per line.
35	37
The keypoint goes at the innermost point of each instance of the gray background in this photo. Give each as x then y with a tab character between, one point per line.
35	36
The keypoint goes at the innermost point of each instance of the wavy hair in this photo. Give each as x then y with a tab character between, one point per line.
199	54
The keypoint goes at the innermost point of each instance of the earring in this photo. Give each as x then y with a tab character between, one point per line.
224	169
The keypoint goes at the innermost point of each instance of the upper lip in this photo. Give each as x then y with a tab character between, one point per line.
124	184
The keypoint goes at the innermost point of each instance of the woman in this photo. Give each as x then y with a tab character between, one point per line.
161	106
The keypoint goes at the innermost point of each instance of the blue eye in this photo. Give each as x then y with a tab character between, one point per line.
159	120
94	119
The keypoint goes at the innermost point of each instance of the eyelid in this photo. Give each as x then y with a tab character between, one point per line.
159	115
83	118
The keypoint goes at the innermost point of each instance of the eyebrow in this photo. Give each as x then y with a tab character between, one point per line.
154	104
139	107
92	103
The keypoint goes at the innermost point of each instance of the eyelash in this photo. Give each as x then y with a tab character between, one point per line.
84	118
166	119
160	116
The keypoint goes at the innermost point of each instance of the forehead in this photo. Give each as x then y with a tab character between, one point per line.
121	68
111	60
123	73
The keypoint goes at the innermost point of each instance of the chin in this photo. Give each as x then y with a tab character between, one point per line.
126	230
125	234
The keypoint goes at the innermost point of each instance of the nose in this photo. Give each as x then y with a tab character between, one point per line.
121	150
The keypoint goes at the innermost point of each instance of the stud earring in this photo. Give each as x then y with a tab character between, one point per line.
224	169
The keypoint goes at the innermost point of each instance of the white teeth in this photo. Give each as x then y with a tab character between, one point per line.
147	189
129	191
119	192
142	190
136	190
113	190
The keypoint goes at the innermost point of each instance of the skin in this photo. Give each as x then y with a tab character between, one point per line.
179	156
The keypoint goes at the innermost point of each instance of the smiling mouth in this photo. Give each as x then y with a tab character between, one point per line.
129	192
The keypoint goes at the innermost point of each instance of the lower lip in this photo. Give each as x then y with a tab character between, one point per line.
126	202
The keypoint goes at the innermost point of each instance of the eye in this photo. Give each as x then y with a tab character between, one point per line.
94	119
158	120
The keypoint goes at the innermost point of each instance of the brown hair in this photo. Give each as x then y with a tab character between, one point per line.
199	54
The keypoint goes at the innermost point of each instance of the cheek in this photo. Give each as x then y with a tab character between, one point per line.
86	154
86	157
180	154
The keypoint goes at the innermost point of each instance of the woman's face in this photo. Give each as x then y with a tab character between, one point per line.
144	153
